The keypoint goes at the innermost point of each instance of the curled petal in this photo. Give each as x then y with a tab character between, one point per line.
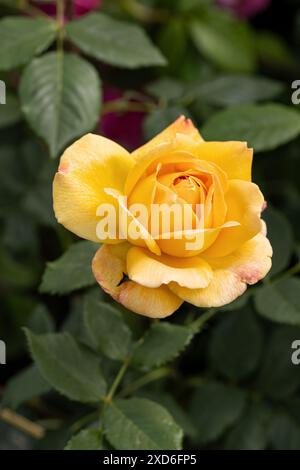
180	126
231	274
86	168
153	271
109	267
234	158
244	203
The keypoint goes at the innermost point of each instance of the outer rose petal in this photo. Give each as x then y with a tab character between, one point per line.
244	205
180	126
109	266
247	265
153	271
88	166
234	158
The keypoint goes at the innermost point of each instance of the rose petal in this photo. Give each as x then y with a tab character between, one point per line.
247	265
86	168
153	271
244	202
109	266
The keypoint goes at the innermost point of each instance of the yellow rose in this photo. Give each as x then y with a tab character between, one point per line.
208	265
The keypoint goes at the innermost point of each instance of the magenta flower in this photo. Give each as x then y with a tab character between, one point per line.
126	128
81	7
244	8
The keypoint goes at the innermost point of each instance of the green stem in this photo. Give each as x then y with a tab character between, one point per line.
146	379
75	427
119	377
60	18
198	324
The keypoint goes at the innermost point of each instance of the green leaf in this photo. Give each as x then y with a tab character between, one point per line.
166	88
162	343
41	321
60	97
114	42
172	41
226	42
279	378
281	237
71	271
213	408
10	112
280	301
106	327
230	90
264	127
23	38
24	386
273	51
159	119
87	439
172	406
15	273
251	431
284	432
236	345
67	366
140	424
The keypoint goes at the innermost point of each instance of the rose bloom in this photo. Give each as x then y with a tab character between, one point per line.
149	275
244	8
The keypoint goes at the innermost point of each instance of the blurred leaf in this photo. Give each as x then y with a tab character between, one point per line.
159	119
278	377
148	426
24	386
162	343
41	321
14	439
236	345
23	38
67	366
114	42
225	41
284	433
71	271
87	439
106	327
280	301
264	127
281	238
19	236
14	272
250	433
10	112
54	440
213	408
273	50
166	89
172	40
230	90
56	101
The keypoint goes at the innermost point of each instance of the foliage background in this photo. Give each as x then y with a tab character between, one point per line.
226	384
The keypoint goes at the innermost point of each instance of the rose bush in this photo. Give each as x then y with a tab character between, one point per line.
177	165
